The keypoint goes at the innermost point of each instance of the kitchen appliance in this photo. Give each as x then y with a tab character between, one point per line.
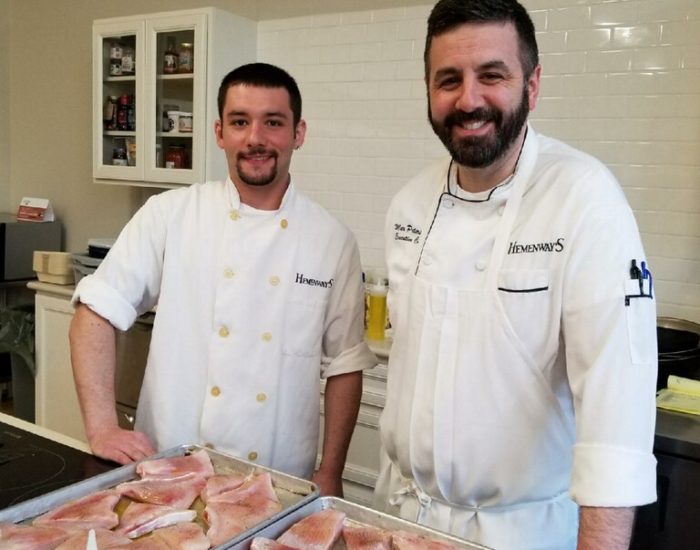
679	349
31	465
19	240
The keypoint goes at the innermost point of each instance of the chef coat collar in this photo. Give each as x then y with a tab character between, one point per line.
234	198
499	191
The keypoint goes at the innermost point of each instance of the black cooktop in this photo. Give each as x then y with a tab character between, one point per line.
31	465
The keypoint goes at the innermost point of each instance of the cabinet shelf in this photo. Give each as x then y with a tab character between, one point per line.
125	78
176	76
178	135
119	133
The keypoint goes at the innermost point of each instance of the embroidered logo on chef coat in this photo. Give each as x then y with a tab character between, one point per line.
302	280
407	233
555	246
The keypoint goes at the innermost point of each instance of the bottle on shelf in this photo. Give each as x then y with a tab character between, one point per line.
185	63
123	113
170	57
119	156
128	61
131	114
109	113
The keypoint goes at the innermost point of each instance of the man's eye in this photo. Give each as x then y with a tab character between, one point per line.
448	83
238	122
274	123
492	77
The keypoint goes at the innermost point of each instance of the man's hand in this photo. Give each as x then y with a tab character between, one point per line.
330	485
122	446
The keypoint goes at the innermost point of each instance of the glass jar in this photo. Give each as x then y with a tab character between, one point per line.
185	63
176	157
119	156
170	57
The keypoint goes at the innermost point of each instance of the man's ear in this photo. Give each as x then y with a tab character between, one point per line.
299	134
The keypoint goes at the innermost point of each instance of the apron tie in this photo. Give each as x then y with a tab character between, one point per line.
411	492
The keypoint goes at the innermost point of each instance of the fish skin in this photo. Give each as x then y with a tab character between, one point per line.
175	466
178	492
26	537
222	483
140	518
318	531
227	520
257	486
104	538
364	537
89	512
261	543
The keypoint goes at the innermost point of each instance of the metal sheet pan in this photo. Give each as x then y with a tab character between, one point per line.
355	514
292	491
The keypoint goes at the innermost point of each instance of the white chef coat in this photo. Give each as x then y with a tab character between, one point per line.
520	382
253	307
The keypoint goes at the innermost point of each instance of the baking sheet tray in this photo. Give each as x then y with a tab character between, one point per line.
356	514
293	492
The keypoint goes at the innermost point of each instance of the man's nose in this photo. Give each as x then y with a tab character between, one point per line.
470	97
255	134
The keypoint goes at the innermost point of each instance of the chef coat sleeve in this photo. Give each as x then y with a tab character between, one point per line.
127	282
344	347
611	360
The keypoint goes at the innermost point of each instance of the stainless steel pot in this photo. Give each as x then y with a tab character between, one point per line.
679	349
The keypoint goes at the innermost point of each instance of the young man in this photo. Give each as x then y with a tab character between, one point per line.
259	294
522	375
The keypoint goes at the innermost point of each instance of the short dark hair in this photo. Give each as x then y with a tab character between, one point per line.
265	76
449	14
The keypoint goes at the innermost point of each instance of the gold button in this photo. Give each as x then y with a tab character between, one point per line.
215	391
234	215
209	445
284	224
266	336
228	273
261	397
252	455
274	280
223	332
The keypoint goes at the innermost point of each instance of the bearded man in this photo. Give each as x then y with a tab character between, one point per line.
520	402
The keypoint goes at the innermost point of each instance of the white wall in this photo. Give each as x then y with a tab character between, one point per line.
621	80
4	107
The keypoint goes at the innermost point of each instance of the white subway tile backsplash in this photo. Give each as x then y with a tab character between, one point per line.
620	79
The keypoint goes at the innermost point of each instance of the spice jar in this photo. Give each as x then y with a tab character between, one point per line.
185	63
176	157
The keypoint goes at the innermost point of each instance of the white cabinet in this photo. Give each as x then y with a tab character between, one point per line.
57	406
362	464
147	66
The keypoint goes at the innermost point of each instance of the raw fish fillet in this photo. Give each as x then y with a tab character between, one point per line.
198	462
27	537
222	483
366	538
89	512
140	518
185	536
103	537
229	519
318	531
256	486
178	492
261	543
403	540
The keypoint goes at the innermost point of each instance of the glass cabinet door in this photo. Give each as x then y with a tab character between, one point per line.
175	99
118	60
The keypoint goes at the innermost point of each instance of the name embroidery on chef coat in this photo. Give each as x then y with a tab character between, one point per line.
301	280
407	233
555	246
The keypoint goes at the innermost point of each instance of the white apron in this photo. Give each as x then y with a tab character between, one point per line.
474	441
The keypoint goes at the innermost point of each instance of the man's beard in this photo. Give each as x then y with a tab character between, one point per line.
257	180
482	151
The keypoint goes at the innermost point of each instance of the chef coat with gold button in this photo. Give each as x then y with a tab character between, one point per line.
253	308
520	383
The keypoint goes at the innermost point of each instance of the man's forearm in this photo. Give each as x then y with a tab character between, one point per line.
341	403
92	344
605	528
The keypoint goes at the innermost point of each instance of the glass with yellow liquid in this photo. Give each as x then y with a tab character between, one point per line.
376	310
